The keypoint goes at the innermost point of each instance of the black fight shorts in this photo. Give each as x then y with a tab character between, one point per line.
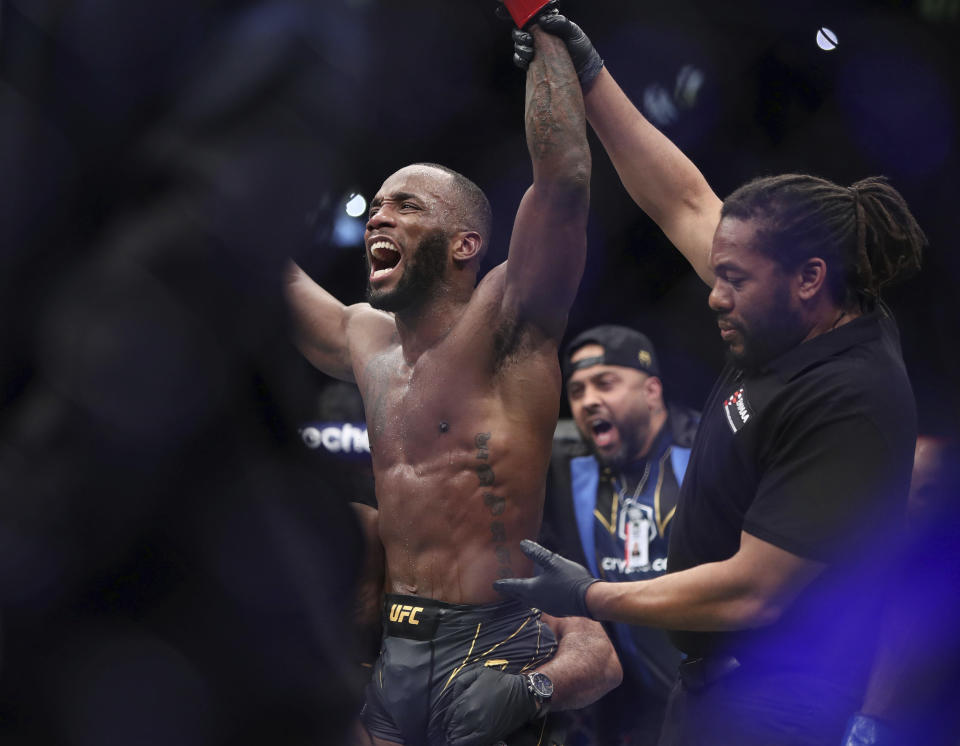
426	644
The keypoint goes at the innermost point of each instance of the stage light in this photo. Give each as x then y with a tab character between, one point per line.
356	205
659	106
664	109
689	82
826	39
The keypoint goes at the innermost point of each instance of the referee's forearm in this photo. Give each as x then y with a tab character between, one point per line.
702	599
750	589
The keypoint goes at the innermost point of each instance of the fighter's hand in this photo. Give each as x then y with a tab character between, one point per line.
561	590
487	705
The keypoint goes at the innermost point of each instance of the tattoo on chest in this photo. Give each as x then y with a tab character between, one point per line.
496	505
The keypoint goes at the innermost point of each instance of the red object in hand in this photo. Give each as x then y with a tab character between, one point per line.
521	11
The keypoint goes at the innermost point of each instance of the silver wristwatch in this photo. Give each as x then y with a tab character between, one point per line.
540	686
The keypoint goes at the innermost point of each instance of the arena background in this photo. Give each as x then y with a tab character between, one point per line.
160	162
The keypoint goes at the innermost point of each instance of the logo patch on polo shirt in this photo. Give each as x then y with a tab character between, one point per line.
737	409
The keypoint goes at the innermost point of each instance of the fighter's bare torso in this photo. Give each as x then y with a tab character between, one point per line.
462	386
460	436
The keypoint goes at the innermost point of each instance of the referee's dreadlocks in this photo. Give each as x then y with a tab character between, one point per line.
867	229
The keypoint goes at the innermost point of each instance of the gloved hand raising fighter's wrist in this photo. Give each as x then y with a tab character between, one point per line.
561	590
586	60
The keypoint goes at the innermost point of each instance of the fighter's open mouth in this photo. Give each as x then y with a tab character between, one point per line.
383	256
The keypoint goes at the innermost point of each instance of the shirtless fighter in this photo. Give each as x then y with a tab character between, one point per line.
461	387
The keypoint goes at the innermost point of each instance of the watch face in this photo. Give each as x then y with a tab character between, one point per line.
542	686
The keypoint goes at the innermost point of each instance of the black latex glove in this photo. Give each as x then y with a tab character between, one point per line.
561	590
487	705
523	41
585	59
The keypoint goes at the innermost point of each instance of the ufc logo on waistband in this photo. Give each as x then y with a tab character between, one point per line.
401	612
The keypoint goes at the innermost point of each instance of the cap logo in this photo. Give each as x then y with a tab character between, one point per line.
620	346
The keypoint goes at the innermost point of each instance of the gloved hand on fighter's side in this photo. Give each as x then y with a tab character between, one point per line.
561	589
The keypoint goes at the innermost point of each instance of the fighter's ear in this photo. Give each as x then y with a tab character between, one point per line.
811	277
466	246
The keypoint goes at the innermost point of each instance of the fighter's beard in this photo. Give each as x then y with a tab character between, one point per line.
420	277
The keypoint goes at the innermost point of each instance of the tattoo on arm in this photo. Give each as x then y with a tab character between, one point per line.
496	504
555	118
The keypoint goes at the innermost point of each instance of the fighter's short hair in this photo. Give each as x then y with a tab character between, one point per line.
473	205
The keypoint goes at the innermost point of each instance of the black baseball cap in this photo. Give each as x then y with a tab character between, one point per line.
621	346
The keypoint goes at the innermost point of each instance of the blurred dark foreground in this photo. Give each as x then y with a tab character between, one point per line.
170	569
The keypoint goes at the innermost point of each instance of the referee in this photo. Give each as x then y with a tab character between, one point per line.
795	492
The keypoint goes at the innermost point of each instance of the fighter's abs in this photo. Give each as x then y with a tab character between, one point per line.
459	473
450	522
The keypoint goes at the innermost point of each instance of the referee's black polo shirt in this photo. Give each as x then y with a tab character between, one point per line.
812	454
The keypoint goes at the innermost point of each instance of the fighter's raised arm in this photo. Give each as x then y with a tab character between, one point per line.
548	244
322	324
657	175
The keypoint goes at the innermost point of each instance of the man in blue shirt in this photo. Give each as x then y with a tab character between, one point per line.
611	495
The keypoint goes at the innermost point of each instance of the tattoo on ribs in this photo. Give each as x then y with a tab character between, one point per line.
485	475
496	504
481	442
